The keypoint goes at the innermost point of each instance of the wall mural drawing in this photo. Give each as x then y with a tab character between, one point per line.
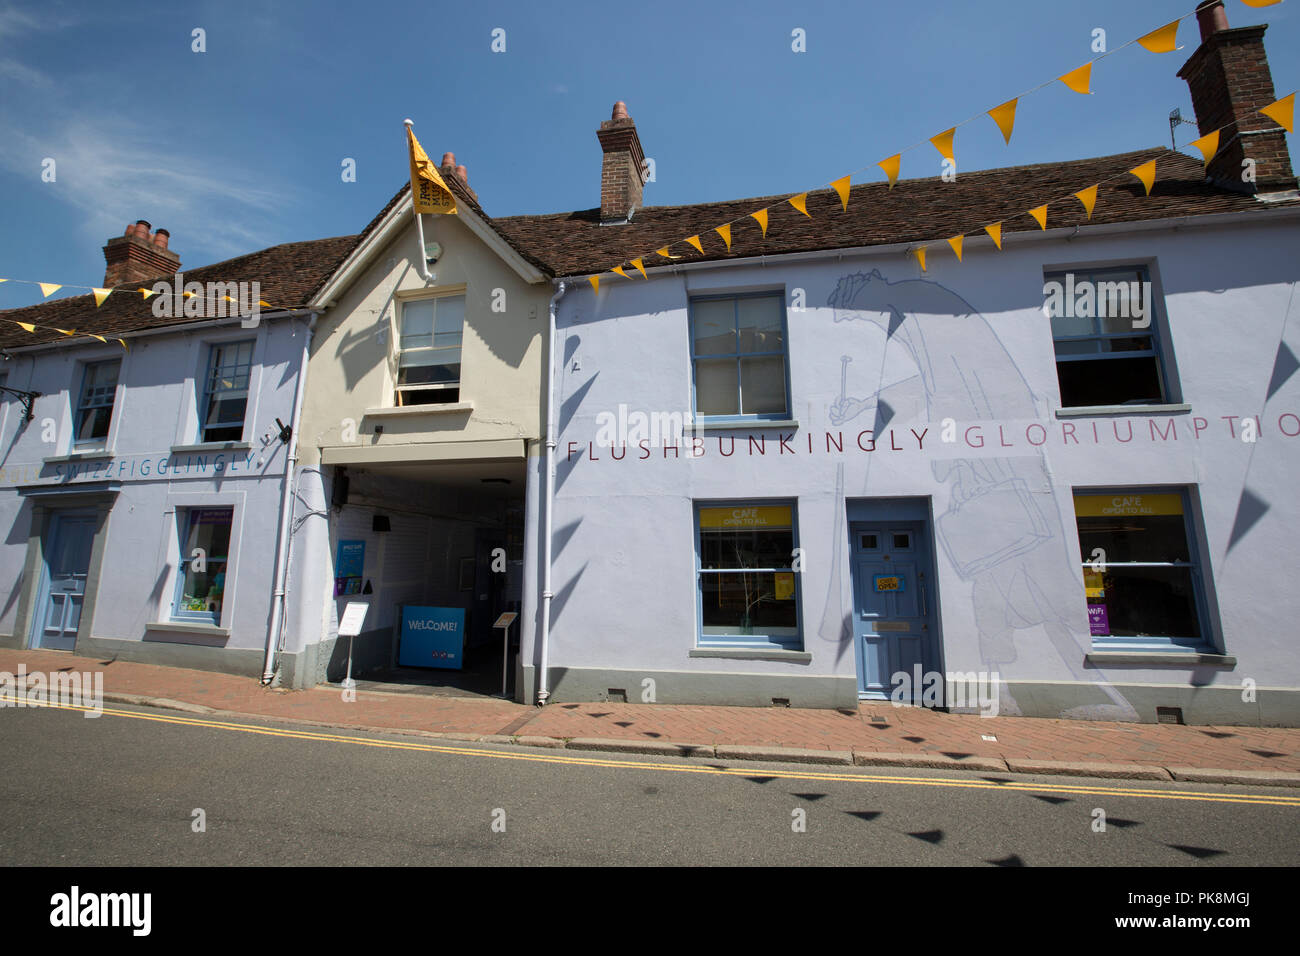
1002	529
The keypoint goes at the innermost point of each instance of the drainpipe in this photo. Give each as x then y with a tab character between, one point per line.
286	514
543	685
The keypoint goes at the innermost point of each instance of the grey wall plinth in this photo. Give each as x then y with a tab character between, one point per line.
696	687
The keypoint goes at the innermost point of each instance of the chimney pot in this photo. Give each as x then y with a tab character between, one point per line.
620	111
462	174
1211	17
137	256
448	159
160	238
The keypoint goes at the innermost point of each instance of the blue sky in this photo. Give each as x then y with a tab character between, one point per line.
241	147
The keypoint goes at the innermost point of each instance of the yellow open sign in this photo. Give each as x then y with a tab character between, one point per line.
889	582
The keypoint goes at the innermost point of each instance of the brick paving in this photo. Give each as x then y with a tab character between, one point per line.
904	730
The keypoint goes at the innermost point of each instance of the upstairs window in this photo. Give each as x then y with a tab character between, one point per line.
428	361
225	392
738	356
1104	330
95	404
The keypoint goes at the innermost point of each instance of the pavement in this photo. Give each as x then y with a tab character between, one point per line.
875	734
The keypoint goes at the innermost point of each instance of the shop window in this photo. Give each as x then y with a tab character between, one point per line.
429	346
95	403
225	392
205	555
738	356
747	580
1104	331
1141	575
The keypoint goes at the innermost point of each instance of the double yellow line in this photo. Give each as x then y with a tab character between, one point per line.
1012	784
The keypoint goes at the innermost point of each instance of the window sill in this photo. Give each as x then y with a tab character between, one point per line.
211	446
746	423
1160	658
97	454
397	411
1087	411
753	654
194	633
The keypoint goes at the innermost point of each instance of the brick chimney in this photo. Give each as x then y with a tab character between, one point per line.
448	170
1229	80
621	170
137	255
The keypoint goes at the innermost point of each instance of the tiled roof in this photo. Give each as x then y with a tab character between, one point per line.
918	210
288	275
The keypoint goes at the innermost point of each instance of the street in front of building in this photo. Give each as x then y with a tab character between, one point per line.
141	787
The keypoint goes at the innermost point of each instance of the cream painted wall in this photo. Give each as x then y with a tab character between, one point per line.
352	365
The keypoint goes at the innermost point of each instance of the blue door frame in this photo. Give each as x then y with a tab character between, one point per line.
66	553
894	604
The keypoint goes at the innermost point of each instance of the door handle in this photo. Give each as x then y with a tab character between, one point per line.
925	603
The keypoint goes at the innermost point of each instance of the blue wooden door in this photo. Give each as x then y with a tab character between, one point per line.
67	561
892	610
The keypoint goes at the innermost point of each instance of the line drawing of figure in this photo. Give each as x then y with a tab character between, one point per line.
994	532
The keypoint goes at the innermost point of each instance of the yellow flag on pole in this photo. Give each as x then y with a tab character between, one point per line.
428	192
1147	173
995	233
1282	112
1078	80
1005	117
1164	40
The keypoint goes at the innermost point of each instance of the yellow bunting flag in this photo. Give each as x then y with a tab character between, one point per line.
695	241
619	270
1260	3
640	268
27	326
124	345
943	143
187	295
800	202
428	192
1282	112
1164	40
955	242
1088	197
100	337
664	252
49	288
100	296
1005	117
146	292
725	233
920	256
1147	173
67	331
761	216
1040	215
1078	80
995	233
263	304
891	167
4	280
595	283
841	186
1208	145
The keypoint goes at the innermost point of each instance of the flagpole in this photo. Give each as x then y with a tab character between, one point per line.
419	220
